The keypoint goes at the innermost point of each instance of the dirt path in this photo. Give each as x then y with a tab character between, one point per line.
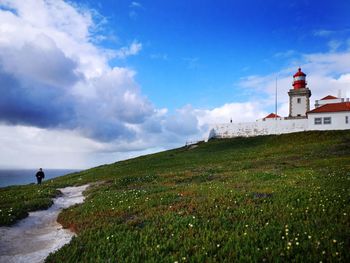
35	237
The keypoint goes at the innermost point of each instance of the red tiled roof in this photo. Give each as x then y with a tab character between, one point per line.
329	97
332	107
272	115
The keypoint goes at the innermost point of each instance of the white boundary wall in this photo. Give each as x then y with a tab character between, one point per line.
260	127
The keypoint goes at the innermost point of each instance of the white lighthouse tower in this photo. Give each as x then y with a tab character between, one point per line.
299	97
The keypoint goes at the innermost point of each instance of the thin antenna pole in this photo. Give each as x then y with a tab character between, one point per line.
276	99
276	107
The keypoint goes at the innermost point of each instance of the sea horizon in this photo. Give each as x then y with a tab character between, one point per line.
13	176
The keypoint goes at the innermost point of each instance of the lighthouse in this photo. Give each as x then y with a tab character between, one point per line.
299	97
330	113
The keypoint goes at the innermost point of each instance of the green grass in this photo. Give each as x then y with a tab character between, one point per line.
17	201
270	198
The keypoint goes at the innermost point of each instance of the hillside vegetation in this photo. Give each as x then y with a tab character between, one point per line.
269	198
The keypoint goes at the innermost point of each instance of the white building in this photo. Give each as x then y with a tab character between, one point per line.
331	116
330	113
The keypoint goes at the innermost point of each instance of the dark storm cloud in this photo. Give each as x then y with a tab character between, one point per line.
43	63
34	80
106	131
32	105
45	106
38	88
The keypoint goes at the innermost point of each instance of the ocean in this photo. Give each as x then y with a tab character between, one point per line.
18	177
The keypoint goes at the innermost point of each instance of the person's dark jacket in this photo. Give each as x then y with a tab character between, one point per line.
40	174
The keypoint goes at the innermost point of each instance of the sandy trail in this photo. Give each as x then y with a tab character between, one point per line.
35	237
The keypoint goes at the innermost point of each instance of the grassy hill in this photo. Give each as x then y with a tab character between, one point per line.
269	198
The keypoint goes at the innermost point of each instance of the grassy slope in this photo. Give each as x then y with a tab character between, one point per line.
281	198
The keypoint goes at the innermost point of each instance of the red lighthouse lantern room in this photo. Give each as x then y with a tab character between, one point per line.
299	81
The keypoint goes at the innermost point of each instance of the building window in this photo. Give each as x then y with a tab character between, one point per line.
346	119
327	120
299	100
318	121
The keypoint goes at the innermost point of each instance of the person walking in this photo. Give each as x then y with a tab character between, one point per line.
40	175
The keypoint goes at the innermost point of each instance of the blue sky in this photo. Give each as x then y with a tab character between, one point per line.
194	49
90	82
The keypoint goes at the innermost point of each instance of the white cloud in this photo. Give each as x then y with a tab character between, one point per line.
286	54
328	33
134	48
57	82
328	63
135	5
30	147
334	45
238	112
323	32
66	26
184	122
46	55
159	56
